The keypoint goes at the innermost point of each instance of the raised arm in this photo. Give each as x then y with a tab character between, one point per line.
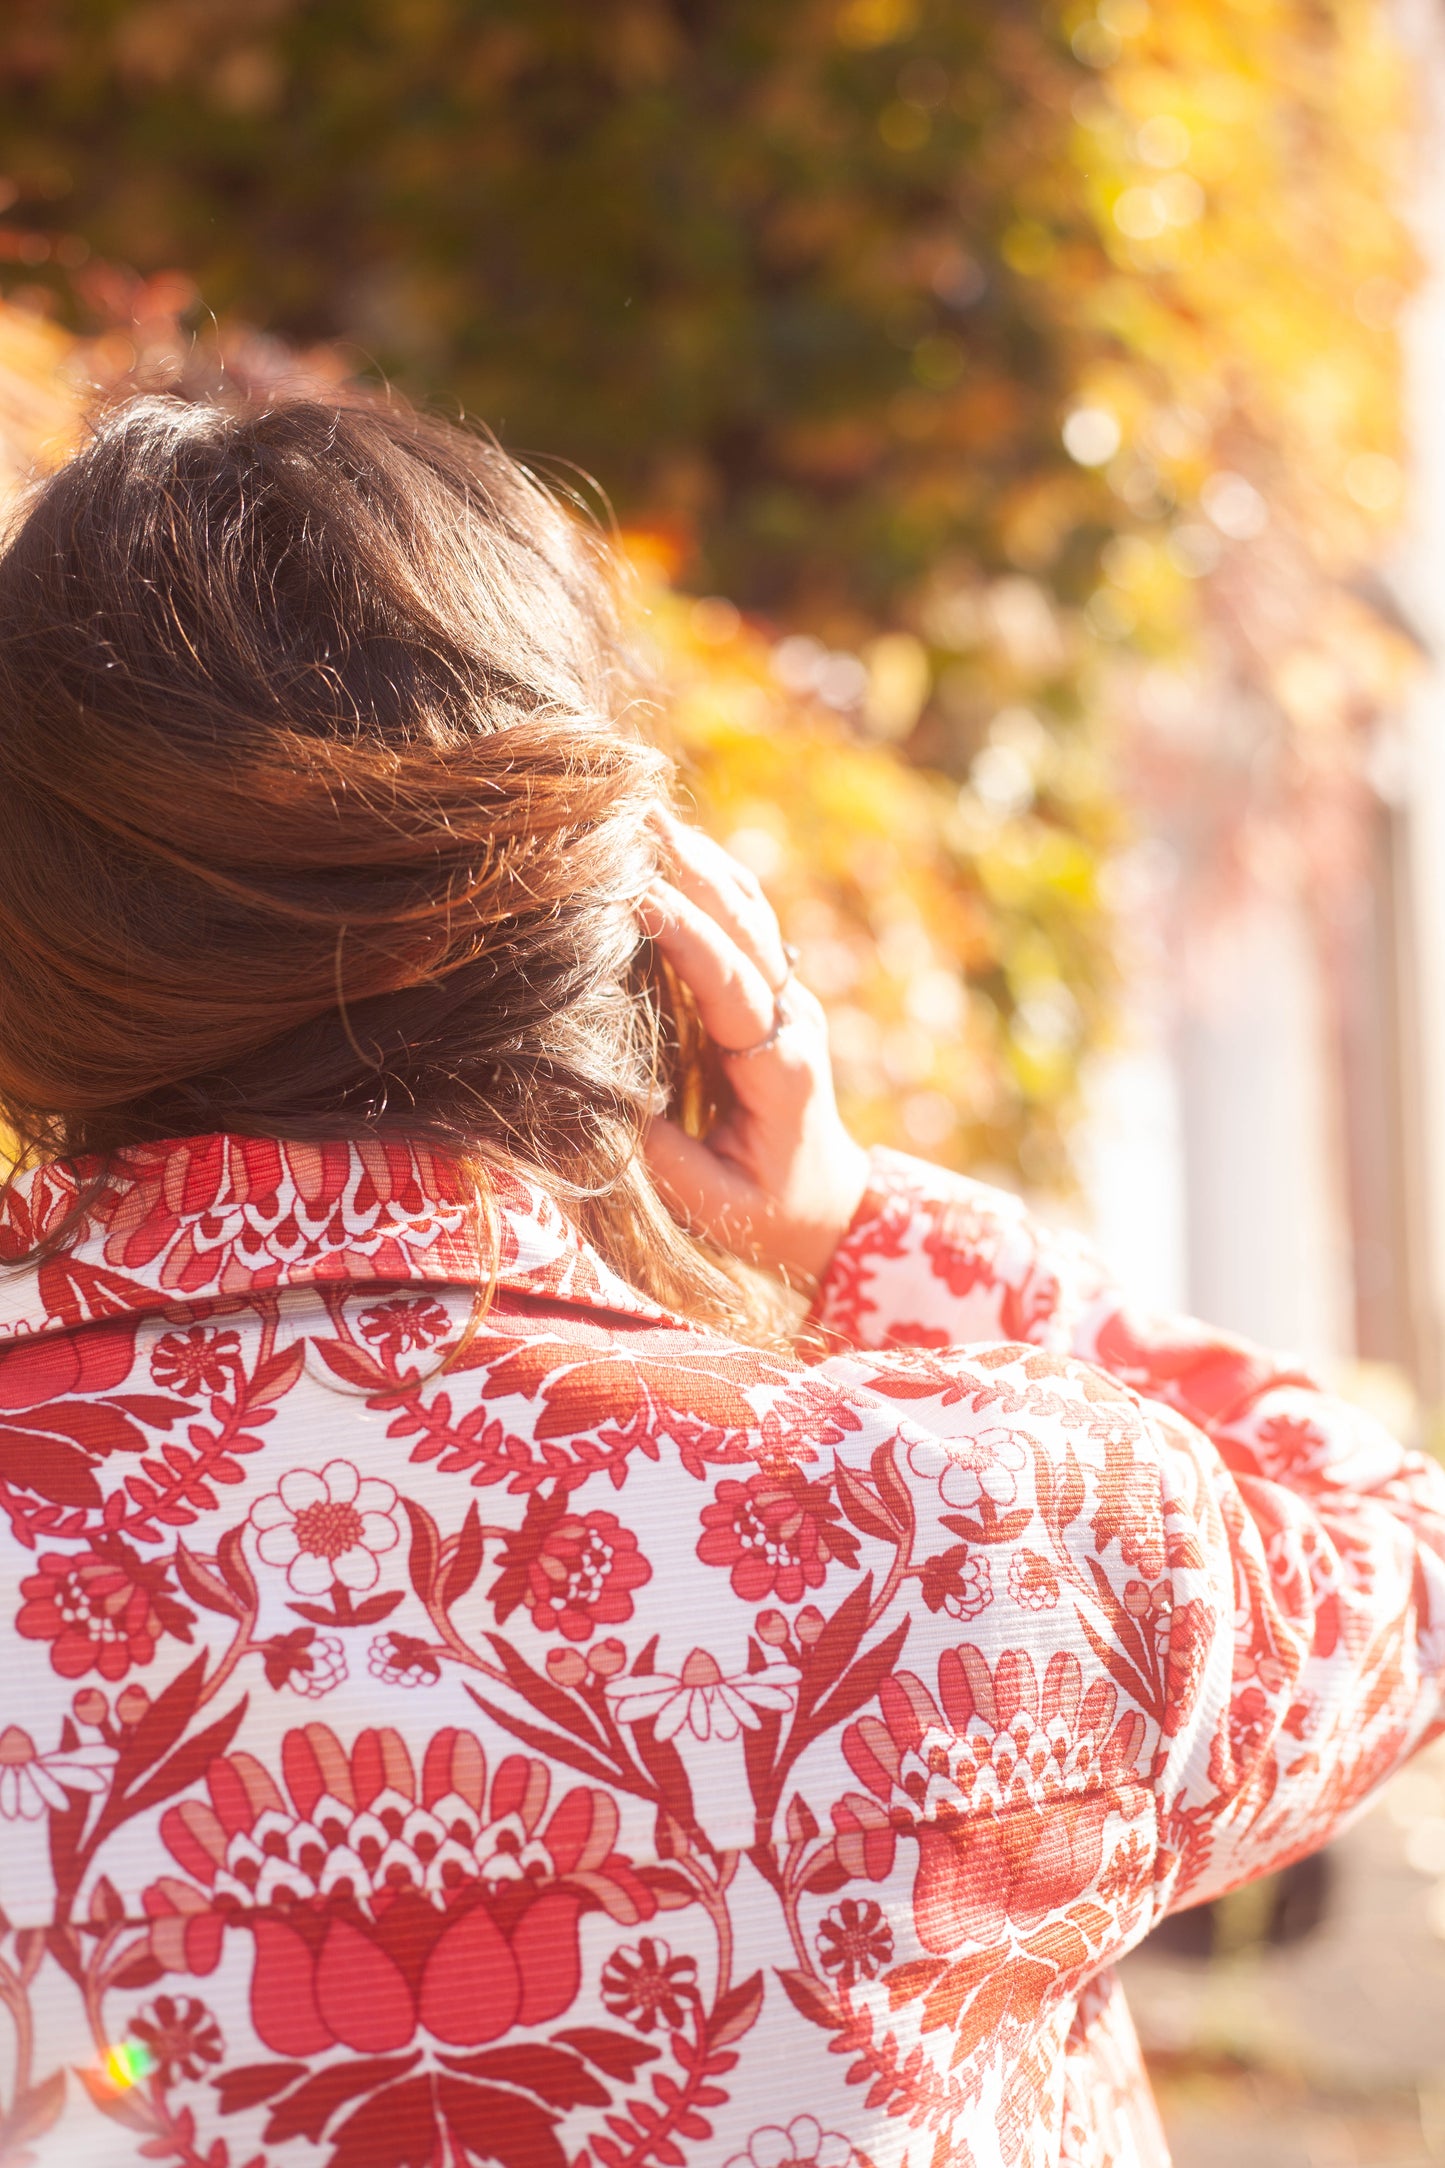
934	1259
1162	1611
1293	1589
1168	1670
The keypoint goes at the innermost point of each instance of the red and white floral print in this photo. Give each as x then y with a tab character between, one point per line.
777	1532
101	1609
379	1903
803	2143
327	1524
574	1571
33	1784
968	1472
562	1739
700	1700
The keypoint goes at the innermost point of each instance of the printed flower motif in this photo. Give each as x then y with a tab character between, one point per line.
1008	1783
959	1582
966	1244
405	1322
1143	1602
699	1700
1192	1627
327	1668
1291	1446
311	1664
181	2036
648	1986
382	1903
574	1571
104	1609
1309	1573
1128	1872
1237	1750
33	1784
855	1941
968	1471
401	1660
1032	1581
327	1525
196	1360
777	1533
802	2144
1130	1513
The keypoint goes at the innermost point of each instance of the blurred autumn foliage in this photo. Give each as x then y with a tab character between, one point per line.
1001	406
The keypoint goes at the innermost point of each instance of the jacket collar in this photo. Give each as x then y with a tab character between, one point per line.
224	1217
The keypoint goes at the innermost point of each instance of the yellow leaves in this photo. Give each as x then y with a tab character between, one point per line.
1240	167
39	404
1028	248
866	24
899	681
943	933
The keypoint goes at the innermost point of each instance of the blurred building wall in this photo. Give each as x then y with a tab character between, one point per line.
1289	1182
1419	820
1268	1247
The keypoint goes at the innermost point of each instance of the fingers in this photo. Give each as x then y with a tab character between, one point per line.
709	1193
734	999
692	1176
710	878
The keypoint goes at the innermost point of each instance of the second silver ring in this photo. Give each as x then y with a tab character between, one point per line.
781	1016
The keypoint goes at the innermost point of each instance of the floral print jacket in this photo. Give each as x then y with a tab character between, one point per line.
546	1734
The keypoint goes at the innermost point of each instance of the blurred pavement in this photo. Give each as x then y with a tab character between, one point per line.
1329	2053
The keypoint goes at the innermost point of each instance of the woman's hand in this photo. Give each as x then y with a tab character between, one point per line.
780	1178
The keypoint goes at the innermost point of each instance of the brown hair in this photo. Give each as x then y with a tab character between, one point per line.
322	818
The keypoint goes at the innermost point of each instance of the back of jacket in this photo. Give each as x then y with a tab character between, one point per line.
557	1736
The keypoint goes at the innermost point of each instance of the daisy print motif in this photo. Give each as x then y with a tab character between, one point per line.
327	1525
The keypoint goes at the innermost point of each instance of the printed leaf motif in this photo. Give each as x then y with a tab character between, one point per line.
32	2113
467	1562
738	2011
619	2055
425	1549
809	1999
50	1469
253	2083
354	1365
203	1586
862	1505
306	2112
559	2079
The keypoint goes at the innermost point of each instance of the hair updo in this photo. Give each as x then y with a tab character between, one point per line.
321	815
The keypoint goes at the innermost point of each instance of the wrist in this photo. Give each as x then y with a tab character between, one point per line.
815	1240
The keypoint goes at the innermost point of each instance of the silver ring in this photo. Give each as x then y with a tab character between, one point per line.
781	1019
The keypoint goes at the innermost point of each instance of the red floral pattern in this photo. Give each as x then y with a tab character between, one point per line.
712	1757
102	1609
777	1533
574	1571
380	1905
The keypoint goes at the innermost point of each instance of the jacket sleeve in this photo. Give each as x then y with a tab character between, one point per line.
1257	1566
937	1260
